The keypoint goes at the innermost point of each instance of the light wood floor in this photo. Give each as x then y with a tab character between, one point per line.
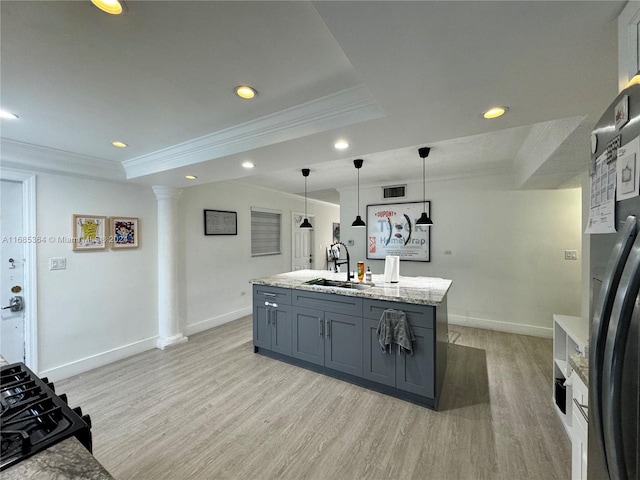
212	409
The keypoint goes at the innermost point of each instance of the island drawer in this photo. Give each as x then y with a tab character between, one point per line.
328	302
272	294
418	315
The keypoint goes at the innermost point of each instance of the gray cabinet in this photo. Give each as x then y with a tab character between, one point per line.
343	343
324	337
411	373
272	319
336	335
308	334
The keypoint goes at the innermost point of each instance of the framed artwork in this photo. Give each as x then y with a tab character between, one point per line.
392	230
336	232
220	222
124	232
89	232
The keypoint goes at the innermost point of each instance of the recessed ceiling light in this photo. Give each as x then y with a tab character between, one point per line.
112	7
190	177
341	144
495	112
119	144
248	164
9	115
245	91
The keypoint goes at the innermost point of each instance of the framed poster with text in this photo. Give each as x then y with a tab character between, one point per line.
392	230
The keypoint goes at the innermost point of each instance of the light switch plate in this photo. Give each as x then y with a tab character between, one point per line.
571	255
57	263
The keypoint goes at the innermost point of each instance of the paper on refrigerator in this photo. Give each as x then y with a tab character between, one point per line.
603	197
628	170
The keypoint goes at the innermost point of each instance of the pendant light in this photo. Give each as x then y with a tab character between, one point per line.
358	222
305	224
424	218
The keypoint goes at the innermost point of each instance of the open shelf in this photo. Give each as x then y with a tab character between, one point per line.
570	337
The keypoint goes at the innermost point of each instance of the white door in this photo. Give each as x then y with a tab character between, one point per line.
302	241
12	254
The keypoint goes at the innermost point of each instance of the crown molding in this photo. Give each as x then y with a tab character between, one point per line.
39	159
346	107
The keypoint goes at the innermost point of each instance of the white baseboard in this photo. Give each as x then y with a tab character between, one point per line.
84	365
532	330
216	321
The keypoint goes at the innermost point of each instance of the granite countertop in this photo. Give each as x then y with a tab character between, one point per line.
66	460
418	290
580	365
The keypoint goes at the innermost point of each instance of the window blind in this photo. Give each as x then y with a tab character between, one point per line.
265	233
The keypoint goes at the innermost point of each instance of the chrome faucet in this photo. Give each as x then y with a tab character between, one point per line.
348	262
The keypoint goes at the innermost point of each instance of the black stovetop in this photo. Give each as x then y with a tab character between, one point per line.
33	417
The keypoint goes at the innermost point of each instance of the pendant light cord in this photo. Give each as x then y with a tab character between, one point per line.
424	195
358	192
305	197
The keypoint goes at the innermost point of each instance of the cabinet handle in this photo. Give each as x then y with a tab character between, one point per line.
269	294
328	328
274	316
581	409
321	325
268	316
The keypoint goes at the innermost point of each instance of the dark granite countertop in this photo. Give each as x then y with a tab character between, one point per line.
66	460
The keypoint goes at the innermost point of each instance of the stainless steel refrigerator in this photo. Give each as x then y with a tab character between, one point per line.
614	346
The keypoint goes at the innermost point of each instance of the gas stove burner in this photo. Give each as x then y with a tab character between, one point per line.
33	417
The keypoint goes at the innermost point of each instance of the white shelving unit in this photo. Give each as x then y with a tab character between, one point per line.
570	337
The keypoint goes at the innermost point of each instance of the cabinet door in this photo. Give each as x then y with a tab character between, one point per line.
579	449
308	335
378	365
415	373
281	329
343	343
261	325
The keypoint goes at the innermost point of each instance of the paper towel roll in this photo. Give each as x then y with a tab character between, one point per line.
391	268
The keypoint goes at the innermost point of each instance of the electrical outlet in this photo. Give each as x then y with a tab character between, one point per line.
242	294
57	263
571	255
351	243
448	252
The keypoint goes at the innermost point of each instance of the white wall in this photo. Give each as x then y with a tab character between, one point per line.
104	305
507	262
215	270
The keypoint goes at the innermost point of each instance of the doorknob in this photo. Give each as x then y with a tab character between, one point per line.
16	304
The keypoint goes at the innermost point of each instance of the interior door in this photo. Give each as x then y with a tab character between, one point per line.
302	241
12	323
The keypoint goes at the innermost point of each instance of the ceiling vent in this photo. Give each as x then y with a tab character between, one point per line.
394	191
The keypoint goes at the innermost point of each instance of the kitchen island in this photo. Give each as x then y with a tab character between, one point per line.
332	329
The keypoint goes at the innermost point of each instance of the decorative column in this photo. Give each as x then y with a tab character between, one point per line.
168	325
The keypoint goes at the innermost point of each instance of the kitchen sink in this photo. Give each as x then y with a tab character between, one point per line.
325	282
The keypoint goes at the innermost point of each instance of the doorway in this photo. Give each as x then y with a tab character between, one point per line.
18	240
302	243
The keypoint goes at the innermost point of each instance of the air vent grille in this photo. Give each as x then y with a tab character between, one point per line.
394	191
